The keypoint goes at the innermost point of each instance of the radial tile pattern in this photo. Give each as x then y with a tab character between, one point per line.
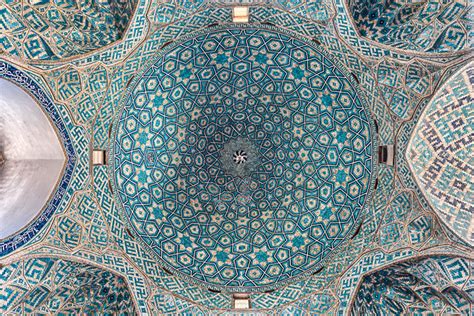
46	286
439	285
305	132
440	153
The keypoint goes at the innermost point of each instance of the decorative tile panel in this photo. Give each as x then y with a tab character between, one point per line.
86	91
57	286
297	117
440	153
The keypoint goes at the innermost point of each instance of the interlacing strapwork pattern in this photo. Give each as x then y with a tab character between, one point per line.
304	127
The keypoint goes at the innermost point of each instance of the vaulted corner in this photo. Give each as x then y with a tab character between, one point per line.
50	30
438	285
423	26
440	153
54	286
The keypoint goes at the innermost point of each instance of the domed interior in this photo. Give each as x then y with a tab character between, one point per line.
221	157
243	157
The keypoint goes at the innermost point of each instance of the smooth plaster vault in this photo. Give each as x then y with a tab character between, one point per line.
33	157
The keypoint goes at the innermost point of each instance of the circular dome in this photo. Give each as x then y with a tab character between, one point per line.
242	157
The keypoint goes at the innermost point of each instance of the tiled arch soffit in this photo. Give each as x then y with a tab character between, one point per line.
440	153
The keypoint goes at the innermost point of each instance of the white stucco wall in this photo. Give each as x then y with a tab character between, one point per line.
34	158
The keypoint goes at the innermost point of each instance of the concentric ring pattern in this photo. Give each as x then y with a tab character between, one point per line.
249	223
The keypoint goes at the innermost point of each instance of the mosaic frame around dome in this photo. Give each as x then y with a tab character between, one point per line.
351	79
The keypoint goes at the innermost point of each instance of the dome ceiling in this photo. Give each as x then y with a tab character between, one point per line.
243	157
202	154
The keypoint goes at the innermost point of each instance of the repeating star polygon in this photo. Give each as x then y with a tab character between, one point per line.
313	140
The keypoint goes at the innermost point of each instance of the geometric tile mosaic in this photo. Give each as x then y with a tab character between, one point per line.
306	135
49	286
436	285
85	89
440	153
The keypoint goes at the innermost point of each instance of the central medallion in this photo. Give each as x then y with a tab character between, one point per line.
239	157
242	158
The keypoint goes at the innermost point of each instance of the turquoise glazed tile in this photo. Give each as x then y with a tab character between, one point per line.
224	145
440	153
110	62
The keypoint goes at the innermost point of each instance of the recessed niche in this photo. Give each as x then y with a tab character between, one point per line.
32	159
